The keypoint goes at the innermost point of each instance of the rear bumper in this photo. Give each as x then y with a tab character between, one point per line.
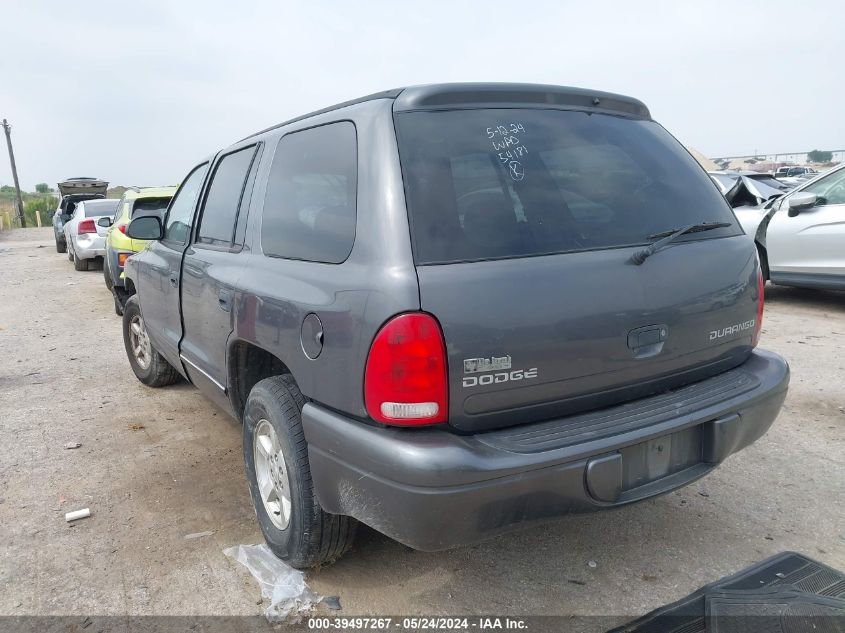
432	489
86	247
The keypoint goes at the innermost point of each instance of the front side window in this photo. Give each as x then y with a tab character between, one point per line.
177	226
498	183
217	225
310	204
830	189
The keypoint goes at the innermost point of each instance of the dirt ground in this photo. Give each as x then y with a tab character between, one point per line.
157	465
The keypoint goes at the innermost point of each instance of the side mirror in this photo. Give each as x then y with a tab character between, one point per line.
106	222
146	227
801	202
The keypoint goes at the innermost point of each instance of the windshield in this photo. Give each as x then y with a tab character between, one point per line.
150	206
499	183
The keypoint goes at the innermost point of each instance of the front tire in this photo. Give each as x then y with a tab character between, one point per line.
118	309
149	366
294	525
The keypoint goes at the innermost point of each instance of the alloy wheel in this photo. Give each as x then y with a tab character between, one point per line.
271	474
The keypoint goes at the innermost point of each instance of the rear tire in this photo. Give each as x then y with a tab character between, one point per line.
107	274
300	532
61	247
149	366
79	264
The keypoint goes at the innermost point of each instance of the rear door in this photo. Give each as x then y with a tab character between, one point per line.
524	225
210	271
159	269
811	243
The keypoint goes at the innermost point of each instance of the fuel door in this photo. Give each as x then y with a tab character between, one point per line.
311	336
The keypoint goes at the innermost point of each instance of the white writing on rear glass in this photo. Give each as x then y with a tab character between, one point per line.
508	147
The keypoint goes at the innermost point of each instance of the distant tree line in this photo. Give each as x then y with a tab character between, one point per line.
42	200
819	156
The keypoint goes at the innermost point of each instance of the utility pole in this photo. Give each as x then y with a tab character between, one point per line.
8	129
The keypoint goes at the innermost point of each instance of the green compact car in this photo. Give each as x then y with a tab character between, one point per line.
136	202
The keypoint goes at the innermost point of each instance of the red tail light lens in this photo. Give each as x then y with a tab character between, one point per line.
86	226
761	300
405	382
122	228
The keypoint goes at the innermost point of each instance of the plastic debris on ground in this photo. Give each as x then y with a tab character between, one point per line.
280	583
77	514
190	537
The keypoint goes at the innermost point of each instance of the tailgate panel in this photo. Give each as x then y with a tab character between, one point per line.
532	338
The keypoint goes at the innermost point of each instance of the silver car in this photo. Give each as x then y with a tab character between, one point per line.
84	234
801	237
73	190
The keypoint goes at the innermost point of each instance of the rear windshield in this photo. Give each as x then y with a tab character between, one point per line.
500	183
150	206
94	208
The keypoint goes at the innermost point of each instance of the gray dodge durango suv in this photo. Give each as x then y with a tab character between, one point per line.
448	311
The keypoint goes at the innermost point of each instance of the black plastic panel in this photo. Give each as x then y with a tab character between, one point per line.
625	417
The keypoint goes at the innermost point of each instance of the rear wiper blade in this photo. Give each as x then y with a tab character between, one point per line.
666	237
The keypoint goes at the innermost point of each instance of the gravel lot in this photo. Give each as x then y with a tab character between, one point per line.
156	465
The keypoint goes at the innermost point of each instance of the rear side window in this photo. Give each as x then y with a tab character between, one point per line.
223	199
150	206
310	205
499	183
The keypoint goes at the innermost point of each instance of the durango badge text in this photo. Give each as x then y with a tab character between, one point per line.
733	329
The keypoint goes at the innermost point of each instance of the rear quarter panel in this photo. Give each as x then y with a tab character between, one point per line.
352	299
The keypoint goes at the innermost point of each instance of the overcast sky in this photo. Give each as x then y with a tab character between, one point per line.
137	92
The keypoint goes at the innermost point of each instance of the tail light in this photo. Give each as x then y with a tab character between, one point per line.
122	228
86	226
121	259
761	300
405	382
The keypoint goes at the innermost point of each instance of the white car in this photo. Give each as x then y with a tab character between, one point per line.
84	234
802	237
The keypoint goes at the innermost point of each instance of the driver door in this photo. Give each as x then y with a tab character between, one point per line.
159	269
813	242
